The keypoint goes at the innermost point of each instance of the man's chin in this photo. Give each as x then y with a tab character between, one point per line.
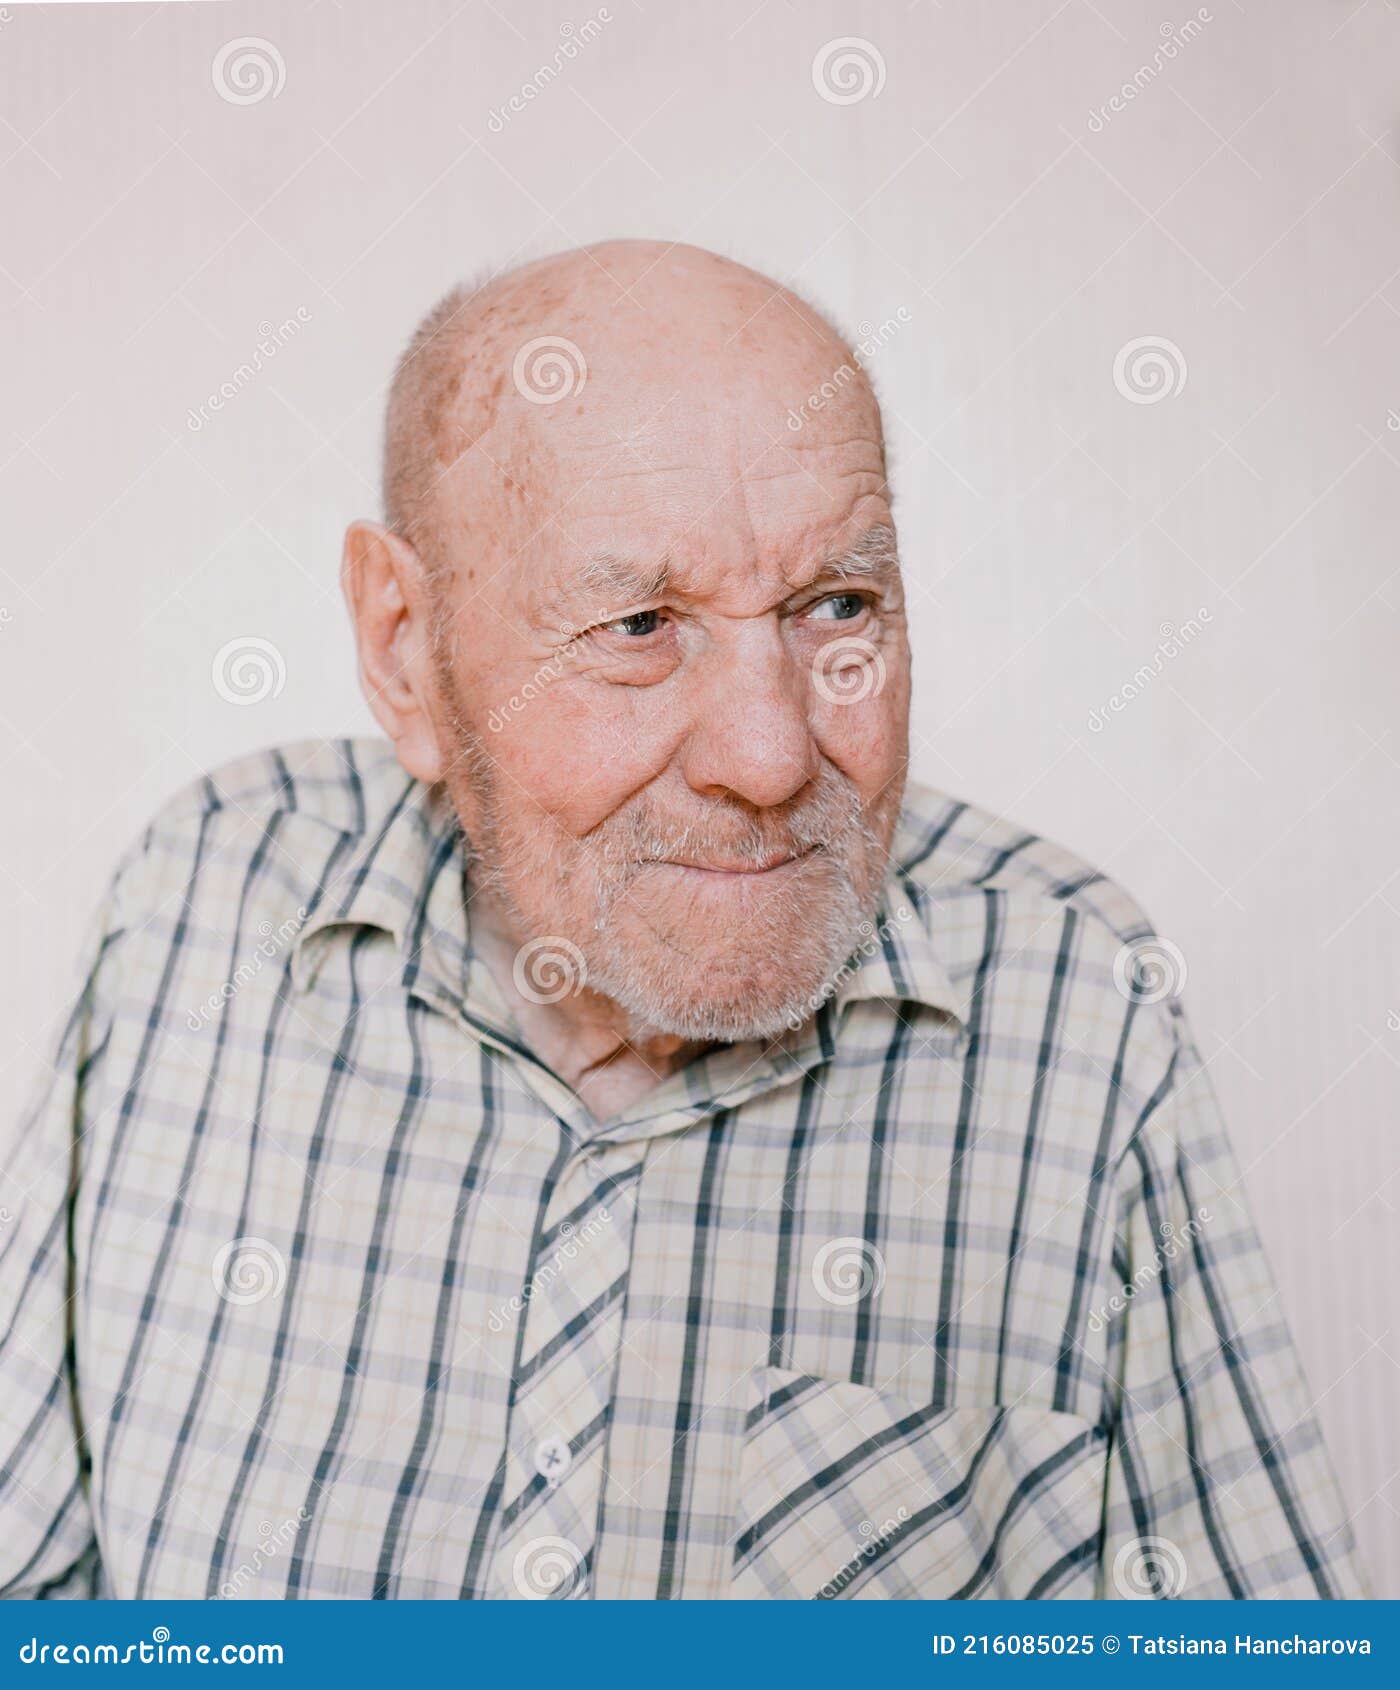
714	1021
717	999
727	958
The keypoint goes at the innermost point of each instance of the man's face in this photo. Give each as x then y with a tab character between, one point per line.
677	725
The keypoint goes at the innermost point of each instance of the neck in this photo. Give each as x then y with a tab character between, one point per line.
592	1043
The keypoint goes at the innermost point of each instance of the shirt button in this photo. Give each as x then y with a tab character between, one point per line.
552	1459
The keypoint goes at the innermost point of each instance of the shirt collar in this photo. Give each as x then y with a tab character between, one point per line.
405	875
895	958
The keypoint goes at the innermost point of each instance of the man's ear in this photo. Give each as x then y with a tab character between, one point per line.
386	587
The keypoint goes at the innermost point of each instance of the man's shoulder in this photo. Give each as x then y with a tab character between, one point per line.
285	809
338	783
1001	901
954	850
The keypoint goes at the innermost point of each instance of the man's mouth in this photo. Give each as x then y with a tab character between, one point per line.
718	865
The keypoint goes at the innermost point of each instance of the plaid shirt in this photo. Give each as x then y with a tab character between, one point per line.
315	1281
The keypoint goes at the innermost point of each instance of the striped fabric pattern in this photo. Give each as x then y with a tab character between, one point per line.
315	1282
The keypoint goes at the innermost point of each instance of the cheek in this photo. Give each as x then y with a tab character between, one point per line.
576	754
868	740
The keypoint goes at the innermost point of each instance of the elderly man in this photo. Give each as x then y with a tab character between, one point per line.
613	1140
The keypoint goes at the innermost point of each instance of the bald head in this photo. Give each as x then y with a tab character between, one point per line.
632	342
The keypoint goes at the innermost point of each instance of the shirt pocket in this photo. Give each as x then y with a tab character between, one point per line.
845	1491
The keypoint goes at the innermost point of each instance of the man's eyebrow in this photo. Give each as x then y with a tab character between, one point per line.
620	580
602	582
616	580
875	553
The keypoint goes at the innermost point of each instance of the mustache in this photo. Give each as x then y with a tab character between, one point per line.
831	816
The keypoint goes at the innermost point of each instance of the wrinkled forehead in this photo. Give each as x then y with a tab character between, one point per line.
761	473
772	513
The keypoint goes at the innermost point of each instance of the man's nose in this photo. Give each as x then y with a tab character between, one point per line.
750	736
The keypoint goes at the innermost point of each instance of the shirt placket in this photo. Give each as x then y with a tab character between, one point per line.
571	1315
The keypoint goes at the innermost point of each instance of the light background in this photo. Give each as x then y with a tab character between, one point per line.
1243	206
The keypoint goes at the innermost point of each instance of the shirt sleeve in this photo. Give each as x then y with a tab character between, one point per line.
1218	1482
47	1543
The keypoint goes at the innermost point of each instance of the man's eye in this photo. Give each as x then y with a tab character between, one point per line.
840	607
637	625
